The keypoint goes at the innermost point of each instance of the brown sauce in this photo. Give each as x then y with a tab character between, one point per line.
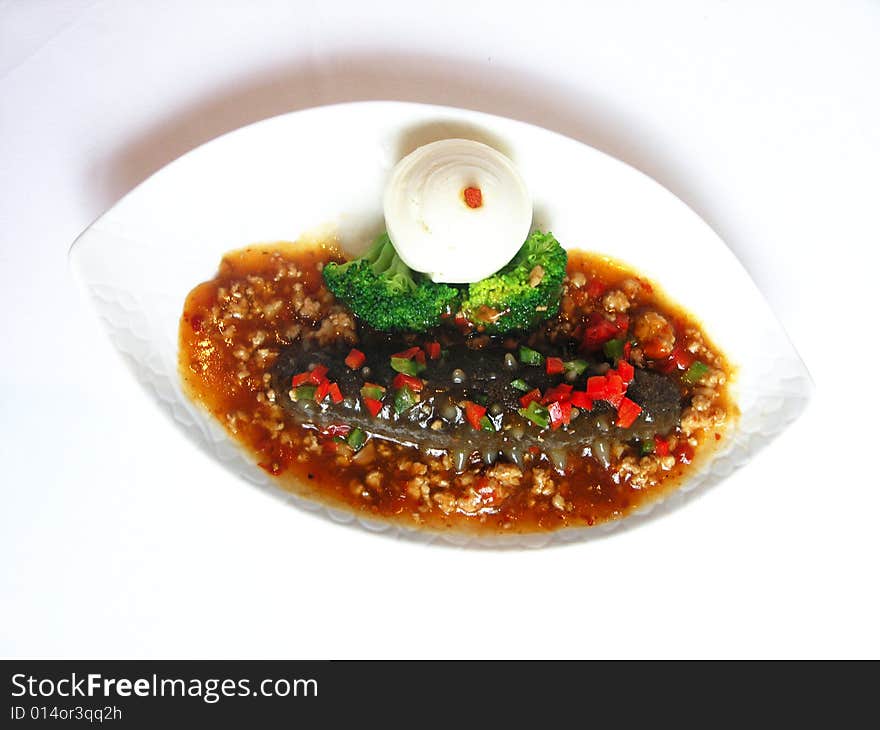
265	297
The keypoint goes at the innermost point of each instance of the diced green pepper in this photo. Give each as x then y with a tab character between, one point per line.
536	413
486	424
406	366
695	372
404	399
578	367
528	356
646	448
614	349
304	392
520	384
356	439
375	392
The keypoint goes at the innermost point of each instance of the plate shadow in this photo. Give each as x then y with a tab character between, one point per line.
487	87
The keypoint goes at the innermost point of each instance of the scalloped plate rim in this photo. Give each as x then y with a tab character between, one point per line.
199	430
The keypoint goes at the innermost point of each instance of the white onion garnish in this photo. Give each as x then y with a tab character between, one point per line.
457	210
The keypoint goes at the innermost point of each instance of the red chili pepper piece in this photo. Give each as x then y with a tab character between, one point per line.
580	399
340	429
433	349
599	330
322	391
473	197
408	354
615	389
318	375
683	359
627	349
597	387
661	446
596	288
627	412
561	392
373	406
554	410
626	371
560	413
404	380
608	387
355	359
300	379
566	411
474	413
335	393
529	397
555	366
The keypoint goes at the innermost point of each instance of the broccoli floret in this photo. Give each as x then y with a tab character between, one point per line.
523	293
386	294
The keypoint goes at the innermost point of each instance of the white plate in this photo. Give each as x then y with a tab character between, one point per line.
293	174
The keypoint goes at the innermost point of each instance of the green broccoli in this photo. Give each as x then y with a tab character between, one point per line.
386	294
523	293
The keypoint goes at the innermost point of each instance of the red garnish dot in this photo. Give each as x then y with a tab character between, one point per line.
473	197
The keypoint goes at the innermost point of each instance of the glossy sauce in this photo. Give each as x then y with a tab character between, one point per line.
263	298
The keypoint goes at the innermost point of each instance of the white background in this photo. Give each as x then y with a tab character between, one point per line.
121	540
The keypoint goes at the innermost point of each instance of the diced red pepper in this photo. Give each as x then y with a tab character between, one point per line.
355	359
408	354
529	397
627	349
300	379
608	387
554	410
599	330
340	429
473	197
433	349
474	413
597	387
318	375
373	406
566	411
408	381
580	399
626	371
322	391
627	412
561	392
335	393
560	413
420	357
596	288
555	366
615	388
661	446
680	359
